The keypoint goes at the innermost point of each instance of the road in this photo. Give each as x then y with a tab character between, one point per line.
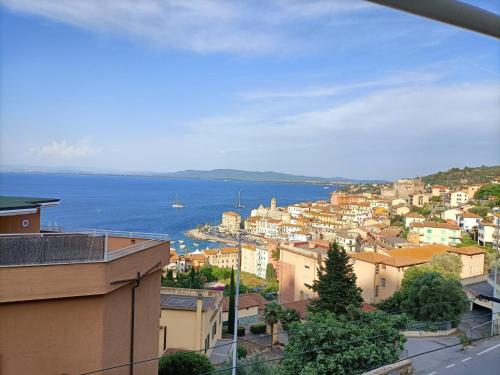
483	357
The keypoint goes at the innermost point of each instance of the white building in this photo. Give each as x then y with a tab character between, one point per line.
467	221
456	199
254	259
450	214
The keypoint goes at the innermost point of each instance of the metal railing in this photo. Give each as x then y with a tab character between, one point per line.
114	233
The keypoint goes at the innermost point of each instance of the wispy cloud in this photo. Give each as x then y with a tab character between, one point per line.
197	25
64	150
331	90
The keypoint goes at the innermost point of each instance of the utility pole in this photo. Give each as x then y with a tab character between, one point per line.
236	302
496	220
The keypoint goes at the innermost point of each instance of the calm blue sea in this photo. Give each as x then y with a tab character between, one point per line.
142	204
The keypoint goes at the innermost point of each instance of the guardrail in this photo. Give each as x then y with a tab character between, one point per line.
117	233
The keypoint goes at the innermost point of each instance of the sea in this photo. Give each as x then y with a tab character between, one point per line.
143	204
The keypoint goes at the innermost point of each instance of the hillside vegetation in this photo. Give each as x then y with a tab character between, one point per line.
456	176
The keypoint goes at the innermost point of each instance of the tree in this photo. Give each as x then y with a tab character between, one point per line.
447	264
270	272
339	344
289	316
487	191
275	254
232	302
336	283
272	314
436	199
184	363
434	298
480	210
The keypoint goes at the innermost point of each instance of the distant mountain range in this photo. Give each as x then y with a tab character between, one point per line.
214	174
268	176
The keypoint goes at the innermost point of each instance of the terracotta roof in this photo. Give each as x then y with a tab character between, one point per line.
229	250
414	215
210	252
468	250
301	307
246	300
440	187
230	213
198	256
432	224
469	215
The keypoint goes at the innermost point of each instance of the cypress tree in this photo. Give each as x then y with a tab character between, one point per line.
336	283
232	302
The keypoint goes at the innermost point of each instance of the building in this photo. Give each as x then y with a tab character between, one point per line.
439	190
413	217
430	232
380	275
298	269
190	319
403	188
254	259
231	222
226	257
468	221
450	214
67	299
250	308
346	240
486	233
418	200
471	190
456	199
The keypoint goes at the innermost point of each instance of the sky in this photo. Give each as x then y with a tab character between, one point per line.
320	87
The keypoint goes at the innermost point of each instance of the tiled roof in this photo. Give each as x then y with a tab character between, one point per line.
246	300
229	250
432	224
414	215
301	307
231	213
468	215
467	250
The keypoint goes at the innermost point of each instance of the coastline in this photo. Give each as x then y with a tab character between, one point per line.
196	234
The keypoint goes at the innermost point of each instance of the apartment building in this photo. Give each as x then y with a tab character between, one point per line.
486	233
346	240
418	200
231	222
450	214
254	259
413	217
379	275
456	199
190	319
299	262
439	190
68	300
468	221
226	257
430	232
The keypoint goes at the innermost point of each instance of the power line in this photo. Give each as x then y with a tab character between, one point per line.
277	333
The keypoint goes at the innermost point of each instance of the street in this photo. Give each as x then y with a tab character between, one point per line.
483	357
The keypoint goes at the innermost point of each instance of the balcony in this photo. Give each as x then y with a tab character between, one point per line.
77	246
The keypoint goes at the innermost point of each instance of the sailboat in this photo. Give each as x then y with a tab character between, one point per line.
238	202
177	203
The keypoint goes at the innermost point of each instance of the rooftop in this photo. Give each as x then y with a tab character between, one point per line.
246	300
432	224
9	203
184	302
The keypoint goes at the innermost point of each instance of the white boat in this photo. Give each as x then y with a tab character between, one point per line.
182	246
196	244
181	241
177	203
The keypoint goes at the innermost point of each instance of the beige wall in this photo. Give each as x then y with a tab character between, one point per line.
472	265
69	319
296	271
13	224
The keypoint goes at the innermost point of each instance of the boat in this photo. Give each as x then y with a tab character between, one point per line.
196	244
181	241
177	203
182	246
238	202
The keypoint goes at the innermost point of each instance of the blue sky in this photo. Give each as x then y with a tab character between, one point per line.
324	87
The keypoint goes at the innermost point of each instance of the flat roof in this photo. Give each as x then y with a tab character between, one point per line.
10	203
184	302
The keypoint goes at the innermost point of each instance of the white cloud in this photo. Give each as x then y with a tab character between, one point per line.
197	25
331	90
64	150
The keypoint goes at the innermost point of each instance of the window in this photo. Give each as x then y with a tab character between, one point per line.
376	269
207	342
384	266
376	291
214	329
383	282
307	267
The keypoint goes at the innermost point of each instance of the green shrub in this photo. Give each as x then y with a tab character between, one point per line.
184	363
241	352
258	328
241	331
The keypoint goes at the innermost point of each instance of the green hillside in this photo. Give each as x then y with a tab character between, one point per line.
456	176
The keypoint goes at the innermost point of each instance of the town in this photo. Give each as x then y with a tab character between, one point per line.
365	249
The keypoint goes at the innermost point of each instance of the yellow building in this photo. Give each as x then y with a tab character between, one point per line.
226	257
380	275
418	200
231	222
191	319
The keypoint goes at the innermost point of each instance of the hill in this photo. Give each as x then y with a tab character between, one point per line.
456	176
268	176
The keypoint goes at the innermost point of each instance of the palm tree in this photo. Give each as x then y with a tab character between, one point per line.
272	315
